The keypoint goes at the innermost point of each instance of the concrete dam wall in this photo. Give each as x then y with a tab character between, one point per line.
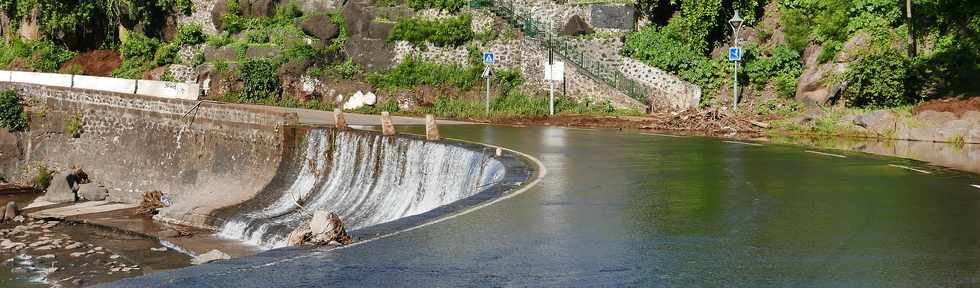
252	174
365	178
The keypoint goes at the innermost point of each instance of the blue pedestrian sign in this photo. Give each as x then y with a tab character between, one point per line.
488	58
735	54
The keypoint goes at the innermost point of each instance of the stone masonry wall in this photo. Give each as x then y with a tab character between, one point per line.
216	156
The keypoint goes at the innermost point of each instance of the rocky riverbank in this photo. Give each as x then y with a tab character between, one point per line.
63	254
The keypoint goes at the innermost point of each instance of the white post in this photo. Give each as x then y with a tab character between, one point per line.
488	96
551	102
735	87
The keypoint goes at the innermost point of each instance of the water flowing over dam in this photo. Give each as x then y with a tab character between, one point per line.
365	178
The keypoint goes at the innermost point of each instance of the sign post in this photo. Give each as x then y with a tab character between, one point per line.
553	73
735	55
488	60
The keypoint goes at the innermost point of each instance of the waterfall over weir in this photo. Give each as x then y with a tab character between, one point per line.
365	178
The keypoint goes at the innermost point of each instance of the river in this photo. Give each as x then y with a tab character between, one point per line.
631	209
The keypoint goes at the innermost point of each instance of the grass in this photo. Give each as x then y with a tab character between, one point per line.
73	125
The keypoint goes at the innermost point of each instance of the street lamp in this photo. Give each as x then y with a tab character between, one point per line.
736	23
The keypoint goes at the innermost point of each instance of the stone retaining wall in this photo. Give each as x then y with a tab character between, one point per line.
202	156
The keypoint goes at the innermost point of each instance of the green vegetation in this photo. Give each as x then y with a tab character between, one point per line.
43	178
883	75
451	6
451	32
12	115
41	56
413	72
260	81
141	53
73	125
782	67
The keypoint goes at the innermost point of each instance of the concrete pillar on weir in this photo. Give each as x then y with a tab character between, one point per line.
386	127
338	118
431	130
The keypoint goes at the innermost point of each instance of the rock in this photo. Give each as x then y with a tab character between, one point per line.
812	88
62	189
379	30
218	12
360	100
74	246
77	254
319	26
879	122
621	17
211	256
356	20
262	52
161	249
576	26
19	219
92	192
324	228
935	118
77	282
223	53
46	256
10	211
257	8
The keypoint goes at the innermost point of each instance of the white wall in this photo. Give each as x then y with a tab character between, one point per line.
162	89
117	85
46	79
168	89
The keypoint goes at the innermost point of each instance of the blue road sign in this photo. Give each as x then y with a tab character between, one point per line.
488	58
735	54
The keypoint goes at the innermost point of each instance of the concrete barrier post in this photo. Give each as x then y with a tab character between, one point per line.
386	127
431	129
338	118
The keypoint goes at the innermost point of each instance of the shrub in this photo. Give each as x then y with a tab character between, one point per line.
261	82
879	79
451	32
348	69
414	72
190	34
784	63
12	115
139	53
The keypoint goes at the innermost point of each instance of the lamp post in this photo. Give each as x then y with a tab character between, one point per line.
736	23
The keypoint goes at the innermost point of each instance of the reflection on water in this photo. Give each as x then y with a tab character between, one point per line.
965	157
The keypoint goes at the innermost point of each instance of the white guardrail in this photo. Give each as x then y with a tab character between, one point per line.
162	89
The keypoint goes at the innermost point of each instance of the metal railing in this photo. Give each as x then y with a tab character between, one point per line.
534	30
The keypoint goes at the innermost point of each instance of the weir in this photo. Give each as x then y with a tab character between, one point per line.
365	178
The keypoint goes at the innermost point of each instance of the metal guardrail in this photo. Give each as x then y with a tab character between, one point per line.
534	30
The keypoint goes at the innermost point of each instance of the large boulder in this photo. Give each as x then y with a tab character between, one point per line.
812	88
576	26
218	12
621	17
92	192
356	19
63	188
325	228
320	27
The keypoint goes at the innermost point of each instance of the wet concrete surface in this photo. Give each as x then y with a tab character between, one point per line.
627	209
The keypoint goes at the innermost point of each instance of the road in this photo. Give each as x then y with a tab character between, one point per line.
628	209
